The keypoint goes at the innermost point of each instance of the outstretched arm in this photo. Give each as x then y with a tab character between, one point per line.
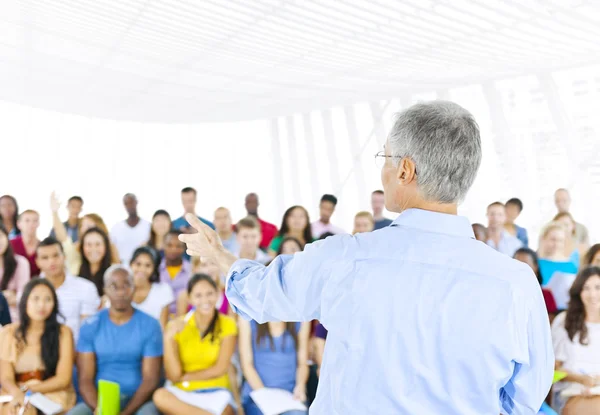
289	289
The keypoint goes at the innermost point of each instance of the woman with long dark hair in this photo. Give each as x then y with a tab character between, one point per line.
576	340
9	215
37	354
592	256
14	274
274	355
161	225
150	295
296	224
96	257
198	351
529	257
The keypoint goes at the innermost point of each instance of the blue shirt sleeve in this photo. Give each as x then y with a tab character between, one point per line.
533	372
290	288
85	344
153	346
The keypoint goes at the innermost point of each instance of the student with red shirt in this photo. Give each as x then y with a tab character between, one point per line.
268	230
26	244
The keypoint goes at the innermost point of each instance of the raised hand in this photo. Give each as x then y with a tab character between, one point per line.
54	202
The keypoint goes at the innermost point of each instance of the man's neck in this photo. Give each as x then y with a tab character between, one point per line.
120	317
255	214
57	280
29	239
174	262
133	220
447	208
226	234
324	221
73	222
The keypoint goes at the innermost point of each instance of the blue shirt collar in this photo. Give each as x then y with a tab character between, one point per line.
436	222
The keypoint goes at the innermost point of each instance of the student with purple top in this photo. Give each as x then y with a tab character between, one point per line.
174	269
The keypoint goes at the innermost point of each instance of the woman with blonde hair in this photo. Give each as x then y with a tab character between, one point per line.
363	222
72	249
573	248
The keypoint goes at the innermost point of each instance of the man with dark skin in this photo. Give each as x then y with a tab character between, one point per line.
131	233
130	202
268	230
122	345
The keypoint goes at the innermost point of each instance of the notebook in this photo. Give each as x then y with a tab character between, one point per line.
275	401
109	398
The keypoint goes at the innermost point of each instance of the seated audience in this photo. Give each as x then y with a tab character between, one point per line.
130	233
70	248
296	224
77	297
498	238
26	243
160	227
224	227
198	351
377	204
122	345
480	232
36	355
592	257
14	271
74	207
5	317
557	269
363	222
573	249
150	295
576	340
514	207
209	268
174	270
188	200
562	200
94	250
529	257
248	241
9	215
268	230
273	355
289	246
326	210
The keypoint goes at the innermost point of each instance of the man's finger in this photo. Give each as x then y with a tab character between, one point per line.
186	238
196	223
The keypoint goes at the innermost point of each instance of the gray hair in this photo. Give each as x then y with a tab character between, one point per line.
114	269
442	138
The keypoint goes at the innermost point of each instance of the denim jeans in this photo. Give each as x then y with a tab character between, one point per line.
146	409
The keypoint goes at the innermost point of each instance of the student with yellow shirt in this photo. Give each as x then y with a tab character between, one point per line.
174	269
198	350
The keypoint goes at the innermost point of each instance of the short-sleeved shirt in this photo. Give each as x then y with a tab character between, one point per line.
76	297
120	349
127	239
199	354
160	296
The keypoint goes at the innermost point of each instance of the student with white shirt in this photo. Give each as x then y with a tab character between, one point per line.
150	295
77	297
248	240
131	233
576	341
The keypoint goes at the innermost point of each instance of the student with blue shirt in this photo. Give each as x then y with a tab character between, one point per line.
120	344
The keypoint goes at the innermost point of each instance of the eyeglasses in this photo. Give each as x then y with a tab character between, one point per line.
380	158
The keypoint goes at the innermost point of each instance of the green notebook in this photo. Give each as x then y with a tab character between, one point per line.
558	376
109	398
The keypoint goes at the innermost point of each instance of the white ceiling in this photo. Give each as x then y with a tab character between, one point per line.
217	60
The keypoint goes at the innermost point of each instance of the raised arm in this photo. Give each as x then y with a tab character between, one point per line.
289	289
59	228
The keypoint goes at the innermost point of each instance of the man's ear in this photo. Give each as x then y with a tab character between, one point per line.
406	171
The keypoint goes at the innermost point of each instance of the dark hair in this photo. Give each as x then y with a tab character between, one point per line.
289	239
75	199
10	263
160	212
85	271
284	229
189	190
534	258
175	233
517	202
590	254
212	327
50	241
145	250
377	192
16	214
51	336
263	331
329	198
575	319
323	236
